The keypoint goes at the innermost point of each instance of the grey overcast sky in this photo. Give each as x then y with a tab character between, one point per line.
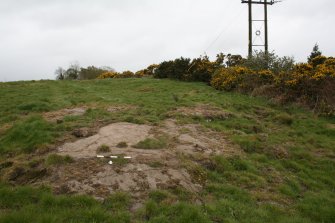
37	36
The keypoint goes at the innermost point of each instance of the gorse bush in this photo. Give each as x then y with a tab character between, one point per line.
107	75
199	69
312	84
265	74
229	78
149	71
175	69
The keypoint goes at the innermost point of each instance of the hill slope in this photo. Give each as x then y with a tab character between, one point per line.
242	159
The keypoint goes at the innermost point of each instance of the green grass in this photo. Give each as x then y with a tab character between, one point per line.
54	159
285	172
39	205
151	143
27	135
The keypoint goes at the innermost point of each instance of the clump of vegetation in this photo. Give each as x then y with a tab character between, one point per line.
120	161
250	144
103	149
264	74
117	201
285	119
122	145
55	159
199	69
107	75
159	195
27	136
151	143
75	72
311	84
113	74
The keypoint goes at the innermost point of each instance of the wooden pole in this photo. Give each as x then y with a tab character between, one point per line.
250	28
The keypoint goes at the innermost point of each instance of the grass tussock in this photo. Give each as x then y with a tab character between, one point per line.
151	143
103	149
122	145
55	159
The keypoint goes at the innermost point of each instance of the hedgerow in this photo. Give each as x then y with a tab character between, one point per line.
311	84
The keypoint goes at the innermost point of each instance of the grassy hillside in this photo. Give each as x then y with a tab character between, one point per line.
285	171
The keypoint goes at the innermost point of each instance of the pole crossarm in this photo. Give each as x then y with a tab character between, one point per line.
261	2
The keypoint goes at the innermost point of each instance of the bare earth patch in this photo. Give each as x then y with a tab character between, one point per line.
206	111
5	128
120	108
331	126
60	114
143	170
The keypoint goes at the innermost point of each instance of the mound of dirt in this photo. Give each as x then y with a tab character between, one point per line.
145	169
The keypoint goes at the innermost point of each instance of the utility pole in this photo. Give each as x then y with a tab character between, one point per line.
251	21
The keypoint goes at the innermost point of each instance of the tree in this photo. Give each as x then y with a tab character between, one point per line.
233	60
268	61
315	53
72	73
91	72
60	73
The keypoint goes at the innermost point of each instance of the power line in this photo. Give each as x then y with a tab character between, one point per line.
225	29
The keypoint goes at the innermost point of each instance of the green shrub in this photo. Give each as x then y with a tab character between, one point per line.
268	61
173	69
90	72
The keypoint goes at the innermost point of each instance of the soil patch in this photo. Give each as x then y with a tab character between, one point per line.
55	116
5	128
331	126
120	108
135	170
204	111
